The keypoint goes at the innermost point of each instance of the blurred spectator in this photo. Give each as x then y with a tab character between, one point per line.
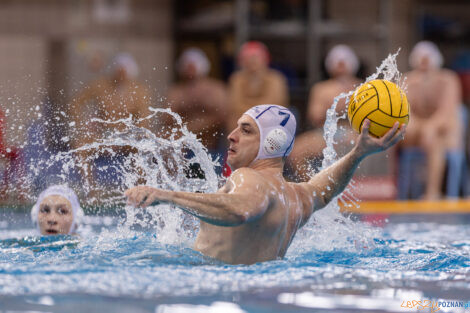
112	97
461	65
43	167
255	83
435	126
57	211
14	171
341	64
200	101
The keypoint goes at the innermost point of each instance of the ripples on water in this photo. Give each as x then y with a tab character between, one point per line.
424	257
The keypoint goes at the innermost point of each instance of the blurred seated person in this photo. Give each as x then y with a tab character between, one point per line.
435	126
14	164
341	64
115	96
57	211
255	83
201	101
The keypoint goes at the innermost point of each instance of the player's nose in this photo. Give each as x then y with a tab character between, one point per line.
233	136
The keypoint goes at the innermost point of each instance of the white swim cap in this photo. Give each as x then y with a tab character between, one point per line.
342	53
198	58
277	126
67	193
126	61
426	49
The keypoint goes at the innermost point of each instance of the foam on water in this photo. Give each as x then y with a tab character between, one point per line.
118	264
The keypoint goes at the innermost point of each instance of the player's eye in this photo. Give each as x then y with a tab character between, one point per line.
45	209
62	211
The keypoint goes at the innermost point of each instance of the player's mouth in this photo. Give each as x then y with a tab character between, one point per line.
231	150
51	231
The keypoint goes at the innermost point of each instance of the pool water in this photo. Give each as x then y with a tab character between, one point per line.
133	271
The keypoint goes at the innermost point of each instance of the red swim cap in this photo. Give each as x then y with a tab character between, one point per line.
254	47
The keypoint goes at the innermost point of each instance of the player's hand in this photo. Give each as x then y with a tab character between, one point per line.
143	196
368	144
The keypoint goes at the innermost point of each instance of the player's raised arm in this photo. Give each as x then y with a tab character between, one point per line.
244	198
330	182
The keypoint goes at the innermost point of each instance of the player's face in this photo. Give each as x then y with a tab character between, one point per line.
55	215
244	143
253	61
340	68
120	74
424	63
189	71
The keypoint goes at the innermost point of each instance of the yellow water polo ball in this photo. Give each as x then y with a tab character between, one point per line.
380	101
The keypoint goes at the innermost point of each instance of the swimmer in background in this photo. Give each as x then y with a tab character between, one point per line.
255	83
255	215
115	96
435	96
342	65
200	101
57	211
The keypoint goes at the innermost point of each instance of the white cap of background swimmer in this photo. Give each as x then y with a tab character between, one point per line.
277	126
126	61
426	49
197	57
67	193
342	53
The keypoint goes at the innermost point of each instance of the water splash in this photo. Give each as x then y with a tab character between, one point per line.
329	229
137	156
162	159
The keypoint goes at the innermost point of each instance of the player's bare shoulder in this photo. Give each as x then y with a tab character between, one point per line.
246	175
246	178
449	76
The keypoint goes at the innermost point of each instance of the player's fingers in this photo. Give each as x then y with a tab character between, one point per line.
140	198
150	199
391	132
132	192
128	192
400	135
365	127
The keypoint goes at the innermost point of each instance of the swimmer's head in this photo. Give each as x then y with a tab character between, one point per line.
124	67
263	132
341	60
193	63
253	56
57	211
425	55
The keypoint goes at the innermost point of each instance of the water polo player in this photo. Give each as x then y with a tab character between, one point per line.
57	211
256	214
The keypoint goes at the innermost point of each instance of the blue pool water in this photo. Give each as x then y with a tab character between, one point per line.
133	271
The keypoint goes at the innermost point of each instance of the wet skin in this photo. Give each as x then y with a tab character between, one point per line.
55	215
254	217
